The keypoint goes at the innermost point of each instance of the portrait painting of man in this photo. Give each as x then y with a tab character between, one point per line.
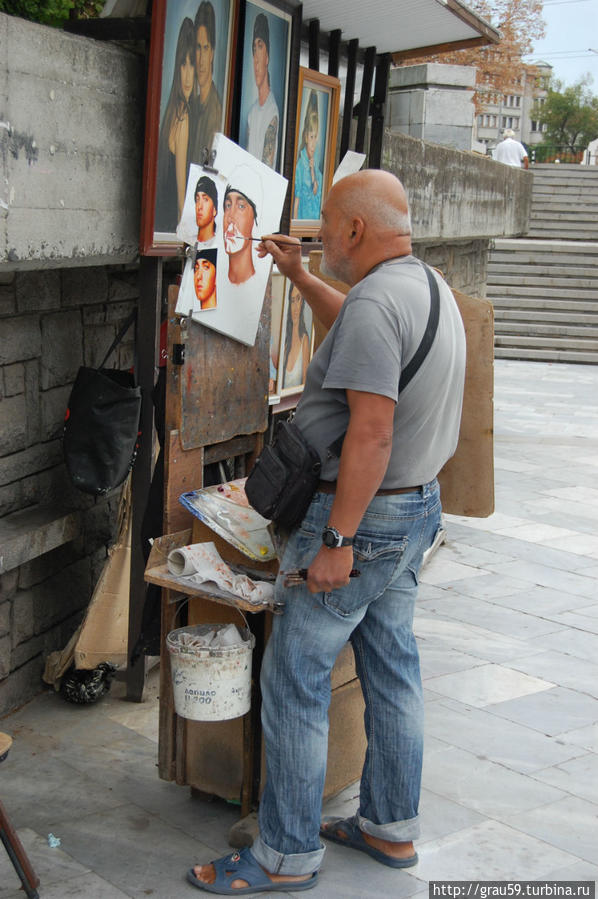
206	209
266	49
204	277
242	199
201	216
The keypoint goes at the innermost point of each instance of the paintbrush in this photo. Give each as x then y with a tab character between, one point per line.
282	239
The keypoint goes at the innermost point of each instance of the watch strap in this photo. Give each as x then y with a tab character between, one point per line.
339	538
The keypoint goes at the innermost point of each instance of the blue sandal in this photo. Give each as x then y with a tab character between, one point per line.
243	866
353	838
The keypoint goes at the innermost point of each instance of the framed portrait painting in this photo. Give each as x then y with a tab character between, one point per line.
264	81
189	100
277	296
315	149
296	340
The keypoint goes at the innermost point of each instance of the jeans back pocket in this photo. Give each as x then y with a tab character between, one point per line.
378	559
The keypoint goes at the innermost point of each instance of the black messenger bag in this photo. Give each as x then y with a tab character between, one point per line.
283	481
101	425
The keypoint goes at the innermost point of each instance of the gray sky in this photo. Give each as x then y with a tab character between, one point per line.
571	29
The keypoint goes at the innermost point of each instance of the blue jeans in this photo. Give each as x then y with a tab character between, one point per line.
374	612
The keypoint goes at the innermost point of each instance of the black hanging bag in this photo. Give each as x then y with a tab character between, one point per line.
101	426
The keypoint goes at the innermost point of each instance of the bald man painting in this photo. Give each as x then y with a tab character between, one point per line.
376	509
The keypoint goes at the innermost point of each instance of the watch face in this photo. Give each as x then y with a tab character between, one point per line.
330	537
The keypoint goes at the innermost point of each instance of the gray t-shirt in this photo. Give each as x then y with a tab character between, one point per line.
376	333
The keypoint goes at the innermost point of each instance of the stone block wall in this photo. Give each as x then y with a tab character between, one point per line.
51	322
464	264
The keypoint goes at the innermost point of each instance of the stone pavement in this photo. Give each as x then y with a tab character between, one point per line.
508	630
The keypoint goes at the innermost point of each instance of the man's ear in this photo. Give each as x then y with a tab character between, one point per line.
357	229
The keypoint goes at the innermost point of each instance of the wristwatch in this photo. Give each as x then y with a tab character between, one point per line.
332	539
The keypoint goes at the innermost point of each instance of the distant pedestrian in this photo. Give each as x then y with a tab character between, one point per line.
510	152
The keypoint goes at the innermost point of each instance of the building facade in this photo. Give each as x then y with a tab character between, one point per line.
517	110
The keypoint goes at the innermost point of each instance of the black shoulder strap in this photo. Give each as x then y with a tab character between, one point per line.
421	352
130	319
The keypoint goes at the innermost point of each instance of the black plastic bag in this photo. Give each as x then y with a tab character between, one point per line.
101	427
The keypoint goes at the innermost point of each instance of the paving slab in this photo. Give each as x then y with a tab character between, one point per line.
514	746
486	684
571	824
484	786
551	712
52	866
564	670
490	851
578	776
494	617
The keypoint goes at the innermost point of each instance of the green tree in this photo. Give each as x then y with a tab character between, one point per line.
570	115
51	12
500	67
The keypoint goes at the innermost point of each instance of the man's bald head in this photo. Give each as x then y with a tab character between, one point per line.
365	221
377	197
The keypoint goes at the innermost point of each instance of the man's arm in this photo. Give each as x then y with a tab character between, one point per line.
525	162
364	460
324	300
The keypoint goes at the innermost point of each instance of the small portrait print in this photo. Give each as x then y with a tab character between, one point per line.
204	278
206	208
266	49
307	200
202	212
297	344
242	203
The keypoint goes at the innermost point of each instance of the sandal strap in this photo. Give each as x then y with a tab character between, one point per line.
239	865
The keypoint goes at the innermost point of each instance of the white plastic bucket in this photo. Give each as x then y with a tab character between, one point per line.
210	684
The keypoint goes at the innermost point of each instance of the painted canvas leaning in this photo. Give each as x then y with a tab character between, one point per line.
252	203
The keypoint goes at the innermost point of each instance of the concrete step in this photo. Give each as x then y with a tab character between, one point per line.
532	298
574	185
549	281
560	214
521	274
561	171
538	330
557	233
550	258
532	244
589	224
545	354
573	343
544	317
542	263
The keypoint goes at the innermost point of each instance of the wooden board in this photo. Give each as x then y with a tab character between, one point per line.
224	384
467	480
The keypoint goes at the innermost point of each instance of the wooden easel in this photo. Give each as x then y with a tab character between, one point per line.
216	409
